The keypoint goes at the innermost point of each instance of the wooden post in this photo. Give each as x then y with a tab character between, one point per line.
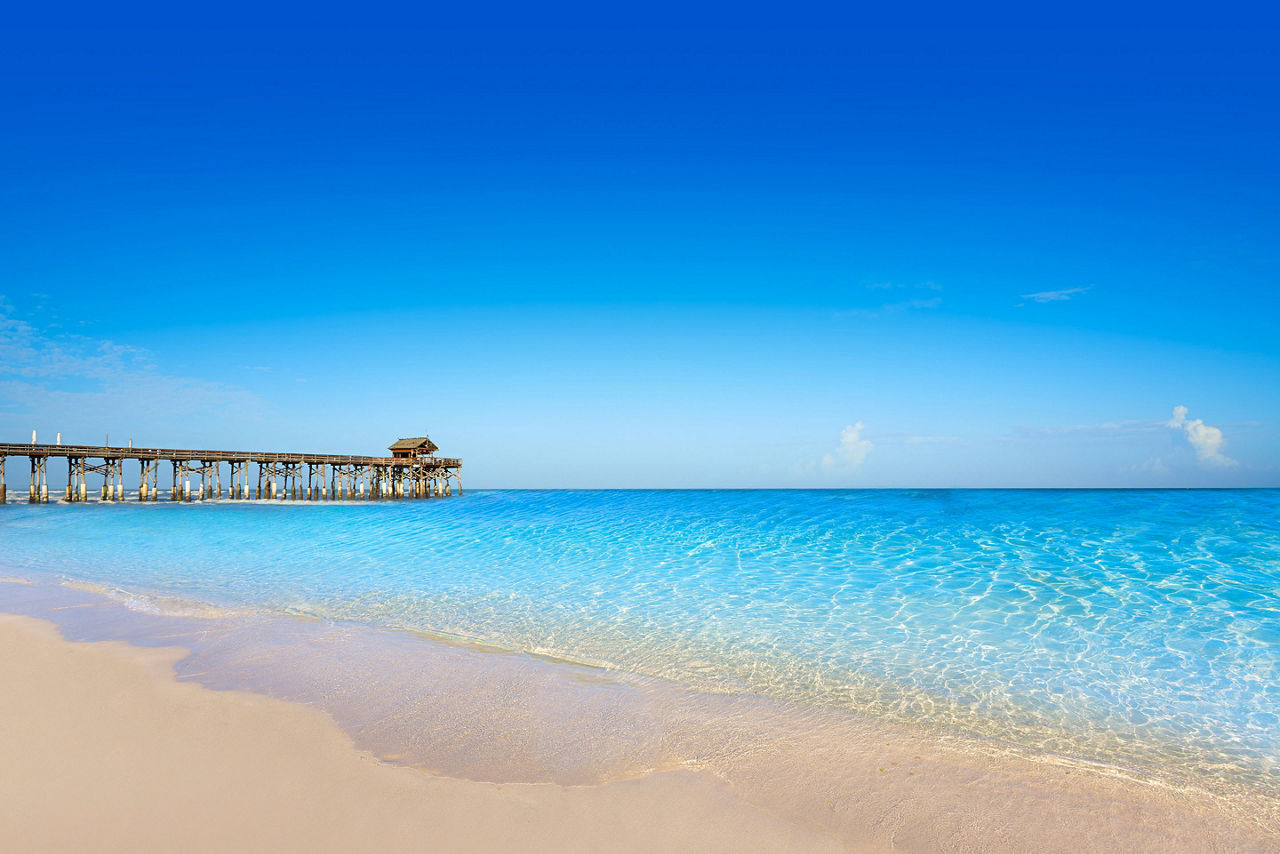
4	488
39	493
147	491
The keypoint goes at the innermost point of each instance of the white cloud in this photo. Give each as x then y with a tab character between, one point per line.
1105	430
929	440
892	308
63	378
894	286
1055	296
852	451
1205	440
1153	466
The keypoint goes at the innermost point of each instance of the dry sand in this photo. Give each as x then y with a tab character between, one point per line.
101	749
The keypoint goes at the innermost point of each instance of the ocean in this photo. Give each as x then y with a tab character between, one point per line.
1136	629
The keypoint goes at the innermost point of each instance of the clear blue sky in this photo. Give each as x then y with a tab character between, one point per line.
795	247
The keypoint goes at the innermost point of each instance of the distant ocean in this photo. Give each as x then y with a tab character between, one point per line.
1139	628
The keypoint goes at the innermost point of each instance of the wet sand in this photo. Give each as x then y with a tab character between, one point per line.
391	736
103	751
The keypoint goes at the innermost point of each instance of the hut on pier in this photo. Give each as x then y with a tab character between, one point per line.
417	446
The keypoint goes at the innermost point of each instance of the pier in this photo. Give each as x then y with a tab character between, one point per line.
412	471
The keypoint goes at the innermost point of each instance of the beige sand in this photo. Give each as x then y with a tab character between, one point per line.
102	750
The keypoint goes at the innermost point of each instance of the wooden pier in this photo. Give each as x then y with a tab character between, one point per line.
412	471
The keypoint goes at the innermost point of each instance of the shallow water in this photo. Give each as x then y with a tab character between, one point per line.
1137	628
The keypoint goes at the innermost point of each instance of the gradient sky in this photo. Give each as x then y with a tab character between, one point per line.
660	248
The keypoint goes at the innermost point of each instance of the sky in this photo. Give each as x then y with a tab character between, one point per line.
670	247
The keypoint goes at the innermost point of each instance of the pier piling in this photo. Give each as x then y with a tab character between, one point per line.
413	471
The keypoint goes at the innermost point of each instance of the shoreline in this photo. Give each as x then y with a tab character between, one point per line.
163	765
164	606
869	785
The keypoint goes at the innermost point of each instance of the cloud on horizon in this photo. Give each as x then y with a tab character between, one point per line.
852	451
1207	441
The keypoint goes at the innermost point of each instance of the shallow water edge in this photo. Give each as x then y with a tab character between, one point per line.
478	713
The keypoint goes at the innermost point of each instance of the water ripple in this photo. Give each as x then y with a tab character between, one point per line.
1139	627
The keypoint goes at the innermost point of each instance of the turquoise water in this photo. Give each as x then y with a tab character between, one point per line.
1135	627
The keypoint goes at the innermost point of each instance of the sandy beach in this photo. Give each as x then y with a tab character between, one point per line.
103	750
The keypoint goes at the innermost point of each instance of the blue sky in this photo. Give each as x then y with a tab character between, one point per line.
688	249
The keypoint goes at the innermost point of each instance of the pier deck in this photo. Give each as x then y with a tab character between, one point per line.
328	477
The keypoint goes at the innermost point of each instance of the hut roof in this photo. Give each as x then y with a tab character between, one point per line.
414	444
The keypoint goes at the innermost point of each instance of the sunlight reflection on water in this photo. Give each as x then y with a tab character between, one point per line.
1139	625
